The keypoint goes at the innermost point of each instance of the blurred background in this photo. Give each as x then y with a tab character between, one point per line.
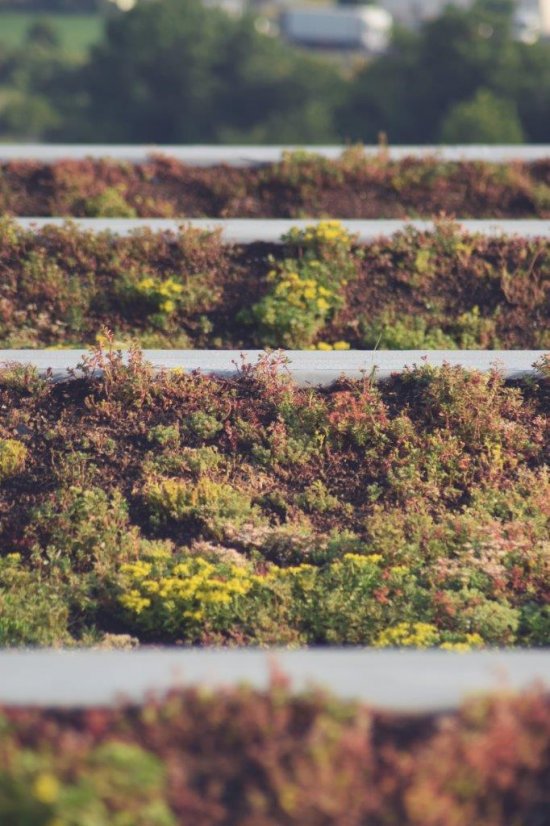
275	71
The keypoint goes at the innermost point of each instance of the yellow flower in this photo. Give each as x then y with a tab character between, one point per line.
408	635
370	559
322	345
137	570
341	345
46	788
323	305
150	586
133	601
146	284
173	286
168	306
469	642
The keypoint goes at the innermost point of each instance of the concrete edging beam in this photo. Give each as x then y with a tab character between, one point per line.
307	367
400	681
248	231
249	156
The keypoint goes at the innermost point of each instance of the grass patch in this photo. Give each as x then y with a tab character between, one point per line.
77	32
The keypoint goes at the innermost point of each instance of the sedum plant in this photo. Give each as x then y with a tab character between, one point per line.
305	289
12	458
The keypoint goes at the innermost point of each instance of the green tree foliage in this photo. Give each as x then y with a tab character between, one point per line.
177	72
69	6
173	71
485	118
30	74
409	92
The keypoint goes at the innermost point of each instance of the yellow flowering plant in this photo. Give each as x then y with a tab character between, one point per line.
151	299
162	294
306	289
182	595
426	635
190	598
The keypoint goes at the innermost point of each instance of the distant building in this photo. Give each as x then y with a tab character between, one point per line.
234	7
532	16
363	28
544	11
412	13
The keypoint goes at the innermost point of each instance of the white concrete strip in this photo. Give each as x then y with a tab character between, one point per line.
256	155
306	366
248	231
405	681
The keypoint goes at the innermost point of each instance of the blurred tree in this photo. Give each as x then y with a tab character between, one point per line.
409	91
174	71
531	90
29	74
485	118
42	33
66	6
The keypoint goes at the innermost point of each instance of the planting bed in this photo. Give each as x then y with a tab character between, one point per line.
319	288
355	185
276	504
275	758
195	509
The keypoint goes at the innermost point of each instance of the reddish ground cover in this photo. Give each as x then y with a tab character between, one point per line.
301	185
414	512
441	290
277	759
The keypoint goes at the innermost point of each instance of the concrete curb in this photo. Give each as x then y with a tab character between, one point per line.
403	681
306	367
247	231
243	156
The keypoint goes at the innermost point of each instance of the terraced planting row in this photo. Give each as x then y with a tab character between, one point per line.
302	184
196	509
318	289
276	759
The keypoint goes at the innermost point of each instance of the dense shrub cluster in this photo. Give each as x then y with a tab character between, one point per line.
187	508
317	289
300	185
276	759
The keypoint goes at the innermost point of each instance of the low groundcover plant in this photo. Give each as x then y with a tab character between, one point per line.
276	758
318	289
185	508
302	184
